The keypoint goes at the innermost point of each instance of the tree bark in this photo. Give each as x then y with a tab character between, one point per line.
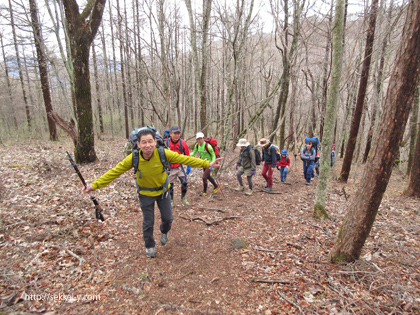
331	110
42	65
354	130
400	93
414	183
98	91
413	131
378	86
22	83
82	28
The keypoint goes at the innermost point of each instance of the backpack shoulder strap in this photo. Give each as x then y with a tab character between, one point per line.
135	161
181	147
207	147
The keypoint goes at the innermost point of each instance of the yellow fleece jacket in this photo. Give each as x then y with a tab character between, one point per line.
152	170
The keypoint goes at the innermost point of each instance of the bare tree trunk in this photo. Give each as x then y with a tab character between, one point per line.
401	89
354	130
378	87
114	60
200	78
331	110
164	64
325	76
413	134
43	70
98	91
110	105
22	83
288	54
122	64
82	28
9	87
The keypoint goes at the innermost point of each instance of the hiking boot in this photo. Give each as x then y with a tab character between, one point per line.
172	203
216	189
248	193
307	183
203	194
164	238
269	189
151	252
185	201
240	188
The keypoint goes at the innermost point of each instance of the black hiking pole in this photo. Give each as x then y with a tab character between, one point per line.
98	209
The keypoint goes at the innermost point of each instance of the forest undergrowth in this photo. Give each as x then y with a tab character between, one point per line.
56	259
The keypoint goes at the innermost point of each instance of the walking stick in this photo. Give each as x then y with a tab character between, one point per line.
98	209
217	182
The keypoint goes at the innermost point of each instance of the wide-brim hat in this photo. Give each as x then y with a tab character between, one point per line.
242	143
263	142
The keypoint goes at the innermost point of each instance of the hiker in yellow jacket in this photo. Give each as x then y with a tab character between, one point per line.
152	184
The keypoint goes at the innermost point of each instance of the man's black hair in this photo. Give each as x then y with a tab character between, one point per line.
145	131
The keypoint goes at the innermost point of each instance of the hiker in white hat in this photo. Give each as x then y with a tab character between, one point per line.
247	164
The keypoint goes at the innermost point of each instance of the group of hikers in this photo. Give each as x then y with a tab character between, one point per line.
157	169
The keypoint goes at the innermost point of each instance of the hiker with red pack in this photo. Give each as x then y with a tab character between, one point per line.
176	144
206	152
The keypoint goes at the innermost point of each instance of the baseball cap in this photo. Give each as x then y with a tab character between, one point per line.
175	129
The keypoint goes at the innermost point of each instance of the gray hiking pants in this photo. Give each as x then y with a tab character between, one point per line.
147	205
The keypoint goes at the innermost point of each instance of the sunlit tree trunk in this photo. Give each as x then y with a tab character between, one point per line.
402	84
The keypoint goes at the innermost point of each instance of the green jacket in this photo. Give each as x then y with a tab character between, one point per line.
152	170
203	152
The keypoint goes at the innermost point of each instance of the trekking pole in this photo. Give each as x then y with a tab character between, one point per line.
217	182
98	209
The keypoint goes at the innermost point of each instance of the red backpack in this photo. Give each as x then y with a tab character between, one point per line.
213	143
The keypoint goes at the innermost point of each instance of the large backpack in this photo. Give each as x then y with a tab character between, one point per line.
181	148
315	145
213	143
257	156
161	146
278	156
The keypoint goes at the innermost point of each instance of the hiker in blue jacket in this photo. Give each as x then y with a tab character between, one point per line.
269	158
308	155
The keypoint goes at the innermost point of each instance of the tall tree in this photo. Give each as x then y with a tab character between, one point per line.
354	130
43	70
22	83
288	51
414	183
399	96
413	130
82	28
331	110
379	80
200	76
